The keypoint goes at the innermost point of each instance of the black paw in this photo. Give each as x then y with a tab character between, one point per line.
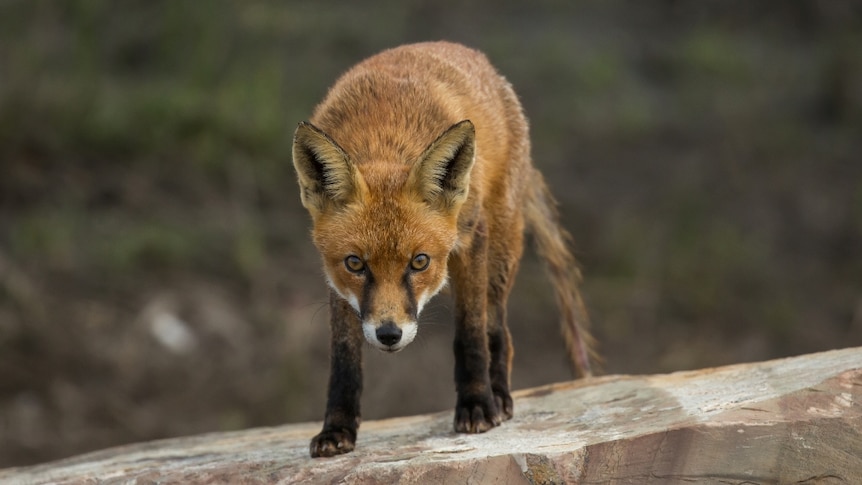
477	414
332	442
504	403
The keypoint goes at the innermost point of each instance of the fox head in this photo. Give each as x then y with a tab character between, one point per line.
385	230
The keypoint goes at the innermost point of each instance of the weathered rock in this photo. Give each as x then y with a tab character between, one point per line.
796	420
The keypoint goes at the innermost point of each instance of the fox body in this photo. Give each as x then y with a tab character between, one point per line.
416	171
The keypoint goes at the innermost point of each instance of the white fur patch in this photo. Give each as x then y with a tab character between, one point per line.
354	302
349	297
408	333
425	297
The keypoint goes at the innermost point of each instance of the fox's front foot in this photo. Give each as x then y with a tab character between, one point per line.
331	442
504	403
477	413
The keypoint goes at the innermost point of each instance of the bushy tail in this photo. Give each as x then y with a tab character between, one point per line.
552	244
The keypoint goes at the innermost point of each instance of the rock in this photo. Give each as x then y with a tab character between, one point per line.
795	420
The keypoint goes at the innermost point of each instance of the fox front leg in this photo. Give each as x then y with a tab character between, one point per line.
476	410
345	383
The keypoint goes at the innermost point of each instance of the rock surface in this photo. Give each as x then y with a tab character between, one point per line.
795	420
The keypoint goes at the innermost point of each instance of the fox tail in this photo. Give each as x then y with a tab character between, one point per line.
552	244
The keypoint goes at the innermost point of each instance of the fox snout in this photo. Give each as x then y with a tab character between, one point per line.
388	335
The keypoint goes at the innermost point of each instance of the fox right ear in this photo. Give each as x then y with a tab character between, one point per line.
327	177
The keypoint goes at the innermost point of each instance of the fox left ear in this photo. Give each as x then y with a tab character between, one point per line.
327	177
442	175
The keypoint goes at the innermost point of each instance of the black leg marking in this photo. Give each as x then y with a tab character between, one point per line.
345	383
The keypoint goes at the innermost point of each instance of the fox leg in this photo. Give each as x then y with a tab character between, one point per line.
504	254
500	346
345	383
475	411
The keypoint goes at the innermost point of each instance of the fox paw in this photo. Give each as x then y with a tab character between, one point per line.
477	414
504	403
332	442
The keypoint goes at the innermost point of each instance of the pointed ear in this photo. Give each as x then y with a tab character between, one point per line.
441	177
327	177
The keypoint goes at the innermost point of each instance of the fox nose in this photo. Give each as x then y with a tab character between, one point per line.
388	334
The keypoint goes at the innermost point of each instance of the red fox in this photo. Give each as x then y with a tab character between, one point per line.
416	171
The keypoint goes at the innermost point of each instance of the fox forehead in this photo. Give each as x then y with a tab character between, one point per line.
382	228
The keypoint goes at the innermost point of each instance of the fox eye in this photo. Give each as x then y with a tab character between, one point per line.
420	262
354	264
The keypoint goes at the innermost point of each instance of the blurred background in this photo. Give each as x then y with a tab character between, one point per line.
156	273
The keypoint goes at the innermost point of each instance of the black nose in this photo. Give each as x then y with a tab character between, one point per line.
388	334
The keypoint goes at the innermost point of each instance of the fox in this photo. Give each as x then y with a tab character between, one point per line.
416	171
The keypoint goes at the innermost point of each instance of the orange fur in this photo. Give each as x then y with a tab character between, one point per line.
416	168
